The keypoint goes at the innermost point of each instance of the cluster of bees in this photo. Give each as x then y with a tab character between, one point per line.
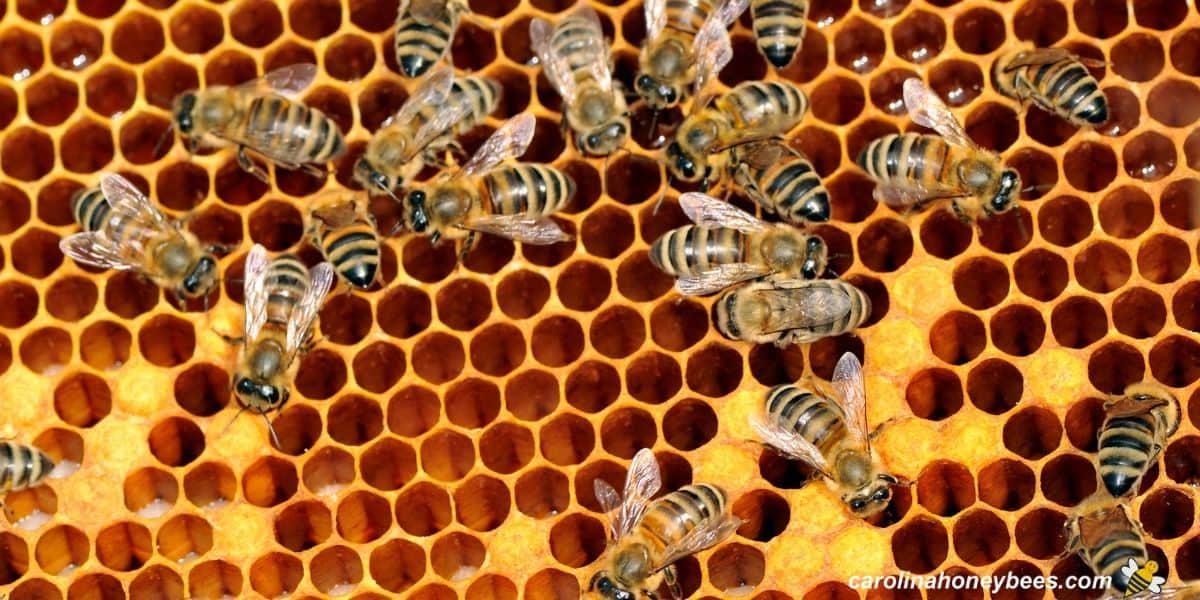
769	273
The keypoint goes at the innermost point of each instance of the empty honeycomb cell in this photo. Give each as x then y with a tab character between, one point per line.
627	430
1162	15
276	574
1041	274
1102	18
27	154
397	565
1083	421
1041	533
269	481
214	579
51	100
41	12
772	365
137	38
322	374
885	245
14	208
1017	330
36	254
472	403
542	492
993	126
363	516
1033	432
980	538
981	282
349	57
1185	51
139	138
1137	57
18	304
15	561
630	180
96	585
1007	232
492	587
495	350
1007	484
447	455
378	367
850	197
1180	460
196	29
945	236
58	551
46	350
1078	322
653	378
838	100
689	424
566	440
920	545
1175	361
82	400
957	337
439	357
577	540
1167	513
607	232
584	285
157	580
1114	366
639	280
979	31
21	53
1042	22
506	447
1180	203
256	23
1126	212
1124	112
36	589
150	492
945	488
176	442
590	387
859	45
678	324
1067	479
181	186
167	341
379	101
1090	166
277	225
714	370
413	411
734	567
1186	307
124	546
1139	313
330	469
428	263
404	311
934	394
522	294
336	571
1173	103
237	187
617	332
298	428
1149	156
482	503
1102	267
87	147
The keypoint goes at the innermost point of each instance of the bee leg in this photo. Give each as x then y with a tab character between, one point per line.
248	165
672	578
313	171
884	425
232	341
468	245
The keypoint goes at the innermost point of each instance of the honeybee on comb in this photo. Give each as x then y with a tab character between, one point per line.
1135	429
780	180
687	41
1112	543
345	232
22	466
783	311
424	31
1055	80
779	28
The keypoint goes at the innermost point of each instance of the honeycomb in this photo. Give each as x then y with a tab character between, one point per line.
445	432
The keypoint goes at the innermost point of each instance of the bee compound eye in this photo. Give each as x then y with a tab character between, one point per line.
245	387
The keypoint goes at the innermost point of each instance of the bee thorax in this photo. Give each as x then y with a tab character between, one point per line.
266	360
174	258
669	60
632	564
853	468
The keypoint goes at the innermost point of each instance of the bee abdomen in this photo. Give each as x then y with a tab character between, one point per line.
286	281
420	46
292	132
692	249
779	28
1124	450
811	416
481	93
354	253
671	517
1114	552
22	466
90	208
771	105
530	189
907	155
687	15
795	191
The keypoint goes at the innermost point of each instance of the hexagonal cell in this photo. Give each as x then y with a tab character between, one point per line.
625	431
214	579
1007	484
276	574
46	350
58	550
82	400
577	540
1017	330
1102	267
566	440
269	481
639	280
885	245
137	38
397	565
482	503
920	545
255	23
363	517
30	508
522	294
1068	479
27	154
934	394
51	100
859	45
1138	57
945	488
1090	166
1102	19
1041	274
1175	361
447	455
21	52
714	370
678	324
838	100
185	538
37	589
1180	203
18	304
980	538
1114	366
919	37
981	283
1065	220
124	546
945	236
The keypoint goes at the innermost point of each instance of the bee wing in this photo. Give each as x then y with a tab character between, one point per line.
1038	57
789	443
321	278
656	19
127	202
1155	585
441	122
706	211
764	153
803	305
852	395
286	81
433	90
927	110
718	278
526	229
711	48
510	141
704	535
904	192
608	497
255	290
641	483
553	65
98	250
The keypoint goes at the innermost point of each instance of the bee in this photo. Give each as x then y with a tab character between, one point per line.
124	231
828	431
424	30
790	311
779	28
440	107
1142	578
727	245
282	301
1135	429
1109	541
343	229
649	536
751	111
513	201
576	60
687	43
780	180
912	169
261	116
22	466
1055	80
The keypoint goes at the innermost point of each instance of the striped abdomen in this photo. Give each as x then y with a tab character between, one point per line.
1065	88
1126	447
767	106
22	466
779	28
687	16
1114	552
285	281
421	45
354	253
909	156
480	94
692	249
801	313
90	208
791	188
290	132
529	189
813	417
671	517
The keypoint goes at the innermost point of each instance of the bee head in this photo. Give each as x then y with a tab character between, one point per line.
184	105
816	257
873	497
684	166
602	584
257	394
1005	197
418	212
370	177
657	94
603	140
201	278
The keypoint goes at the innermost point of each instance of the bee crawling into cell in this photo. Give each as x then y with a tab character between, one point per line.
1135	429
123	230
1055	80
648	537
261	116
345	232
827	430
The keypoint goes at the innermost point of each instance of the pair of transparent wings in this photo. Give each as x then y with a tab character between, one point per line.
706	211
850	395
1038	57
258	265
625	511
590	45
800	304
711	48
139	221
434	91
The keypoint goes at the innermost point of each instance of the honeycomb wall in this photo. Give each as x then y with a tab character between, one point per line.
444	435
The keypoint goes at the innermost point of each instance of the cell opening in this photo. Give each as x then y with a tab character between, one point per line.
269	481
413	411
617	332
920	545
1167	513
689	424
1007	484
1114	366
176	442
764	513
506	447
541	493
397	565
482	503
464	304
577	540
30	508
557	341
388	465
714	371
438	357
363	517
934	394
627	430
82	400
678	324
59	551
276	574
958	337
185	538
1078	322
1175	361
1041	533
1149	156
567	440
447	455
1163	258
1017	330
583	285
522	294
336	571
981	283
1102	267
124	546
156	581
355	420
1068	479
945	488
1041	274
859	46
736	568
210	485
1139	313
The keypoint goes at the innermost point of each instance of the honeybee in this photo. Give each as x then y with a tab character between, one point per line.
282	301
262	116
404	143
751	111
1135	429
342	228
912	169
576	60
1055	80
22	466
781	311
424	29
781	180
727	245
829	433
687	43
649	536
513	201
1142	578
1110	541
124	231
779	28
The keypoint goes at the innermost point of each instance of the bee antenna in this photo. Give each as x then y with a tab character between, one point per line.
232	421
654	122
663	195
271	429
162	139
